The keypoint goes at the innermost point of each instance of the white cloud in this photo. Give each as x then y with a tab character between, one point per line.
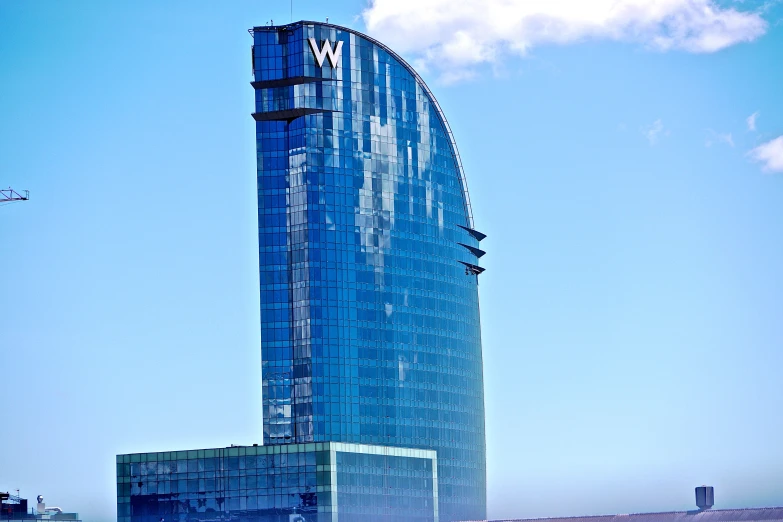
719	138
449	35
770	155
653	131
751	121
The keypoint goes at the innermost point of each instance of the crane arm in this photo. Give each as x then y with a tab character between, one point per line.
9	194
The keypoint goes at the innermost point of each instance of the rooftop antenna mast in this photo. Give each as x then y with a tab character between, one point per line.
9	195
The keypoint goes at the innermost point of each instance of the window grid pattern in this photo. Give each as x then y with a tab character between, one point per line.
369	323
278	484
384	488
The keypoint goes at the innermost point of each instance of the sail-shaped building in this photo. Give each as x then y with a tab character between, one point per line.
373	404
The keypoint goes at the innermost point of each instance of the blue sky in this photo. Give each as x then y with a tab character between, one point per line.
632	304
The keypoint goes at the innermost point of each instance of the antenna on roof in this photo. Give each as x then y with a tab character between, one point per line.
327	19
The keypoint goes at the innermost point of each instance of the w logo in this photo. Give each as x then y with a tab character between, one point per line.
326	50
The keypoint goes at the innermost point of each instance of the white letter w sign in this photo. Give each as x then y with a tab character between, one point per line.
326	50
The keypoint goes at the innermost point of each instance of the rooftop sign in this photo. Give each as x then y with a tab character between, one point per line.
326	50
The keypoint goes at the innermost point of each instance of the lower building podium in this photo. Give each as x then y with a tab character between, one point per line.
280	483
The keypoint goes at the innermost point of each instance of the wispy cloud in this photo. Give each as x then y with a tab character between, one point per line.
770	155
449	36
653	131
751	121
716	137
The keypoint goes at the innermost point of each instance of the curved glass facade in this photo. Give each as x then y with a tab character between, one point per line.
368	260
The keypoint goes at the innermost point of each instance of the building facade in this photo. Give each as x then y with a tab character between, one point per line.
368	263
369	260
280	483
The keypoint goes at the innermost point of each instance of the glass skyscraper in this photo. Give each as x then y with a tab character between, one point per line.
371	346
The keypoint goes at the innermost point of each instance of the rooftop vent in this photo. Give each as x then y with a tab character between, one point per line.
705	497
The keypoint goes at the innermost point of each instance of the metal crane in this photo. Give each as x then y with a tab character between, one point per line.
9	195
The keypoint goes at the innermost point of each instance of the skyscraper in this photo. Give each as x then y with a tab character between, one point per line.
368	257
371	348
